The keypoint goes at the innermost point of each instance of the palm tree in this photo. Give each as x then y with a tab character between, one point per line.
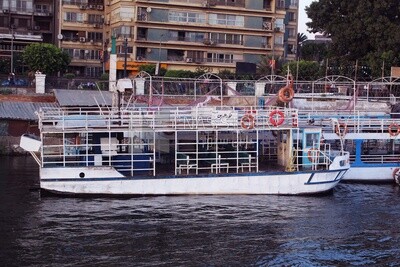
301	37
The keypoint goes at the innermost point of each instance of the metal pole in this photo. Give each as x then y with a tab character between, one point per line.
12	49
126	55
158	65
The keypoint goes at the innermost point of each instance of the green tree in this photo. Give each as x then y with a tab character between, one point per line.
359	29
303	70
301	37
264	67
313	51
46	58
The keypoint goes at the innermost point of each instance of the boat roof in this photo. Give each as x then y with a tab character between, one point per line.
83	98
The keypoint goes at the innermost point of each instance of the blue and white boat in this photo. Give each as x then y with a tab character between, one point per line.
182	150
371	138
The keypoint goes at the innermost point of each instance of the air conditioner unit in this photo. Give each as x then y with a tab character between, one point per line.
92	6
96	26
37	28
82	39
277	29
100	7
189	59
82	7
6	11
267	25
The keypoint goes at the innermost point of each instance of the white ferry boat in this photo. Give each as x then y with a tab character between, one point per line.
182	150
371	138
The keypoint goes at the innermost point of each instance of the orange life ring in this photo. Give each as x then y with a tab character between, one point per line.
286	94
394	129
338	128
312	154
247	122
279	121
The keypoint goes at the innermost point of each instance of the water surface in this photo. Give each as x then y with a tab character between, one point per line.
356	225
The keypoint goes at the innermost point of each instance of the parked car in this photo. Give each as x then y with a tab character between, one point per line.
87	85
17	82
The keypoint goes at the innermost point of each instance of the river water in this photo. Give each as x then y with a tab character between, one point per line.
356	225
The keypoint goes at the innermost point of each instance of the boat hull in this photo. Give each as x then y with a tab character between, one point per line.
373	174
107	181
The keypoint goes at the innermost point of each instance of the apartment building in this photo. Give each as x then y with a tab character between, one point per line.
81	33
208	34
174	34
23	22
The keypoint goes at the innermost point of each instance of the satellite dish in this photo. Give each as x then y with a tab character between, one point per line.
148	9
60	36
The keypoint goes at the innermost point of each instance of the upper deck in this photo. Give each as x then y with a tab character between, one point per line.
166	118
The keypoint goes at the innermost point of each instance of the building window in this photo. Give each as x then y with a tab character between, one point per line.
224	38
73	17
94	18
123	31
189	17
187	36
95	36
291	49
222	19
126	12
41	8
93	71
293	3
22	5
75	2
279	25
278	40
220	58
291	32
292	16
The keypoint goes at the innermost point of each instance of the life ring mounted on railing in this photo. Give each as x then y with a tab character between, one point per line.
394	129
276	121
286	94
247	122
341	129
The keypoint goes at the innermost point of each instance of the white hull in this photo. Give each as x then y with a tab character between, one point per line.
109	182
369	174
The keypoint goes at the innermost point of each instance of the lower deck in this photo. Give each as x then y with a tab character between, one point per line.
155	153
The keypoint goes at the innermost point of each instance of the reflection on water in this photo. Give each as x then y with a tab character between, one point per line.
355	225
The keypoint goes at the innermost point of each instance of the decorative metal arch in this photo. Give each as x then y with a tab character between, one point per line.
335	79
208	78
272	78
